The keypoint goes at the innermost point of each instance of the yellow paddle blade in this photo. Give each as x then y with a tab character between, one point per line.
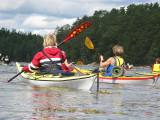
89	43
80	63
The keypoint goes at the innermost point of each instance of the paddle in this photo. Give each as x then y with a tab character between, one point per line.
76	31
14	76
71	35
90	45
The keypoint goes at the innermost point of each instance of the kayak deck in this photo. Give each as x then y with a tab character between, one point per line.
139	80
84	82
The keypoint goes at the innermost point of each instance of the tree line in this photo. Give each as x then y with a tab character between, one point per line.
135	27
19	46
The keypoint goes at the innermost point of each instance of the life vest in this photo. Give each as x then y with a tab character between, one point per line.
6	59
41	60
156	68
119	62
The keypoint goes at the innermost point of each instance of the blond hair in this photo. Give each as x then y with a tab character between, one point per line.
118	50
49	40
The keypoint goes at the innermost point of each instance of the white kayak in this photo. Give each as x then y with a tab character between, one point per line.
136	80
84	82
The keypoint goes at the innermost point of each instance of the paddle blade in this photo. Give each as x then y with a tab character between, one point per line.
80	63
77	31
89	43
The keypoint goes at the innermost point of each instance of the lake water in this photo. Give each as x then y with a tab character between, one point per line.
19	101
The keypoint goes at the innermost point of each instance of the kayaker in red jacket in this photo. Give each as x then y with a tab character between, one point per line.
41	60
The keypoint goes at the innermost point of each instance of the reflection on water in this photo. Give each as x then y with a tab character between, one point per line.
114	101
58	103
44	101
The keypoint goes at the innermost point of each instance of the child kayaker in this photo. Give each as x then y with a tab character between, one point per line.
156	66
49	60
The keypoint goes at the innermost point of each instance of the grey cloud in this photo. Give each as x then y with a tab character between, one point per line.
14	13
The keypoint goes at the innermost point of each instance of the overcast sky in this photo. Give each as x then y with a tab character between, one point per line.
42	16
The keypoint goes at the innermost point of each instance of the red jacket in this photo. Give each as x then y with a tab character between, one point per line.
52	52
64	67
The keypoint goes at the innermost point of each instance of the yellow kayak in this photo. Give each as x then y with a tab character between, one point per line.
150	74
83	82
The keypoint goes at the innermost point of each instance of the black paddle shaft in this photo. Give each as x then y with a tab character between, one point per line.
98	79
15	76
97	52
